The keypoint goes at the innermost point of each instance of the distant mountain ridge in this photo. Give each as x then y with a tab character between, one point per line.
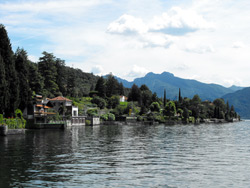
241	101
158	82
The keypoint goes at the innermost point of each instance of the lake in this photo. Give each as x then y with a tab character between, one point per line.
208	155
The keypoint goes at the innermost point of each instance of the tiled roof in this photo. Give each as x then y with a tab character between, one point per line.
60	98
40	105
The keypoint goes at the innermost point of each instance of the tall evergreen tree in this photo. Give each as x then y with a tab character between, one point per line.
12	91
180	97
36	81
164	99
112	86
71	83
100	87
121	89
3	86
61	78
47	68
135	94
146	96
22	67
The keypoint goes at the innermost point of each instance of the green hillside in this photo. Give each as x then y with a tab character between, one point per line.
241	101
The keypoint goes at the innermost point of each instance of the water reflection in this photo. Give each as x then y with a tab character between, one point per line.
128	156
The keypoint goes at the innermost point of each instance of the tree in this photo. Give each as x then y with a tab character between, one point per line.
25	95
121	89
227	114
36	81
113	101
47	68
220	103
11	93
146	96
232	112
185	114
100	87
164	99
61	78
170	109
112	86
196	100
155	107
180	98
3	86
71	83
154	97
135	93
100	102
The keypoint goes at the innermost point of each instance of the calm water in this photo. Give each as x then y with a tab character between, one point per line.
128	156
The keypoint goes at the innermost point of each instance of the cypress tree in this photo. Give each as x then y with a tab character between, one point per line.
12	89
164	99
25	95
100	87
180	98
2	86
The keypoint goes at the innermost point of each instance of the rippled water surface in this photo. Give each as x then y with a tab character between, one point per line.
128	156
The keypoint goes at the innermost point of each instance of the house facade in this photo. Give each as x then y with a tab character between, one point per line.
64	106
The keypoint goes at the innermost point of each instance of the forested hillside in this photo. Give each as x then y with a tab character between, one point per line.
20	78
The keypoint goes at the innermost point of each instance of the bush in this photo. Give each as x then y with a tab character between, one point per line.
1	119
108	117
88	122
92	112
155	107
100	102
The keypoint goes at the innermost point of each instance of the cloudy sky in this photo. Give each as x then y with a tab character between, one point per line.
197	39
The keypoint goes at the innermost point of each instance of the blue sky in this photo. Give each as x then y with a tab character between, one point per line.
197	39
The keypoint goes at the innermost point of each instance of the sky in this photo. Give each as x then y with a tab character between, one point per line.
194	39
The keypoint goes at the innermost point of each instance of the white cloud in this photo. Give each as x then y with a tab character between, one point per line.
137	72
33	58
97	70
161	31
238	44
179	22
200	49
127	25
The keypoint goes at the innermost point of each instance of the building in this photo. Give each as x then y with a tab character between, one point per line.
123	99
39	111
43	108
64	106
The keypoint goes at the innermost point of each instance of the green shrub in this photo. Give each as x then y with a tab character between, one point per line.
88	122
92	112
1	119
108	117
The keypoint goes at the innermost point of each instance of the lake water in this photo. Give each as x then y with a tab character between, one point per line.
215	155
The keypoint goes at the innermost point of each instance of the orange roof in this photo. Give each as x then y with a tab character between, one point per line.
39	105
60	98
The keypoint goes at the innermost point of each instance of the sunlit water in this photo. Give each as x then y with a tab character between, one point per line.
129	156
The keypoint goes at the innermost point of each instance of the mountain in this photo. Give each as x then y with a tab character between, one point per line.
158	82
236	88
241	101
